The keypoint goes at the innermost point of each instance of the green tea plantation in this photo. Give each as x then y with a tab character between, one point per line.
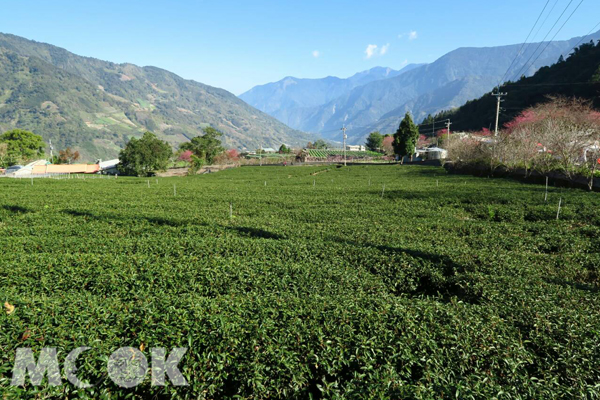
364	282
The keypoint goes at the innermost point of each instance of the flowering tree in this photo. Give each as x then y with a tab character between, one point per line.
485	132
560	135
559	131
232	154
423	141
185	155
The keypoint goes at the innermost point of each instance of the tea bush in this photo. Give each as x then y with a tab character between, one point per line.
317	286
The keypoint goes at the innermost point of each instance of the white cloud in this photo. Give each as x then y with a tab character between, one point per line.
371	50
412	35
316	53
374	50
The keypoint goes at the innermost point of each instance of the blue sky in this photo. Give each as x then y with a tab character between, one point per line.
239	44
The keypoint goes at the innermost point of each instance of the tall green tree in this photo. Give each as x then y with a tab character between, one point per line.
284	149
144	156
320	145
406	137
374	141
207	146
21	146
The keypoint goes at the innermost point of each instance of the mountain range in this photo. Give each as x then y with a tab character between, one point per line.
380	100
95	106
577	76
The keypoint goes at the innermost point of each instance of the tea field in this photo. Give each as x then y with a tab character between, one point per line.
307	282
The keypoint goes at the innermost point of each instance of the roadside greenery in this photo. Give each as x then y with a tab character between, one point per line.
144	156
317	285
20	146
317	145
206	147
374	141
283	149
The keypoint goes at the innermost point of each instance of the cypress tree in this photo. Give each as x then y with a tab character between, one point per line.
406	137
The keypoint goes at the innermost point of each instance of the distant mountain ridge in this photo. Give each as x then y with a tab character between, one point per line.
455	78
291	99
96	105
577	76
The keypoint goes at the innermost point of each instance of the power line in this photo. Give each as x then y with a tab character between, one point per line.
435	122
557	32
344	130
540	28
545	20
524	43
554	84
545	37
584	37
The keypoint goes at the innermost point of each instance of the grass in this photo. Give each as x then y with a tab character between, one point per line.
317	286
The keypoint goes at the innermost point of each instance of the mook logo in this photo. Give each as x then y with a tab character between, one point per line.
127	367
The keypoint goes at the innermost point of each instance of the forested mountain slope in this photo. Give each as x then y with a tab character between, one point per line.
96	105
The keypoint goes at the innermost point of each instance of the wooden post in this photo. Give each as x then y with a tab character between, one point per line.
230	211
174	190
546	195
558	212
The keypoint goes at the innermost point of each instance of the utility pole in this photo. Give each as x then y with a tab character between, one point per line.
499	96
51	150
448	123
261	151
344	130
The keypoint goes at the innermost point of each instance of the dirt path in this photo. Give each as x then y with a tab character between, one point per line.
183	171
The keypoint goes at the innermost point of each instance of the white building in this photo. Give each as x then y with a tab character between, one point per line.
350	147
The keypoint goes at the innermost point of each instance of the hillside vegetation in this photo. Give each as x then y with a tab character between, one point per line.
95	105
319	285
577	76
